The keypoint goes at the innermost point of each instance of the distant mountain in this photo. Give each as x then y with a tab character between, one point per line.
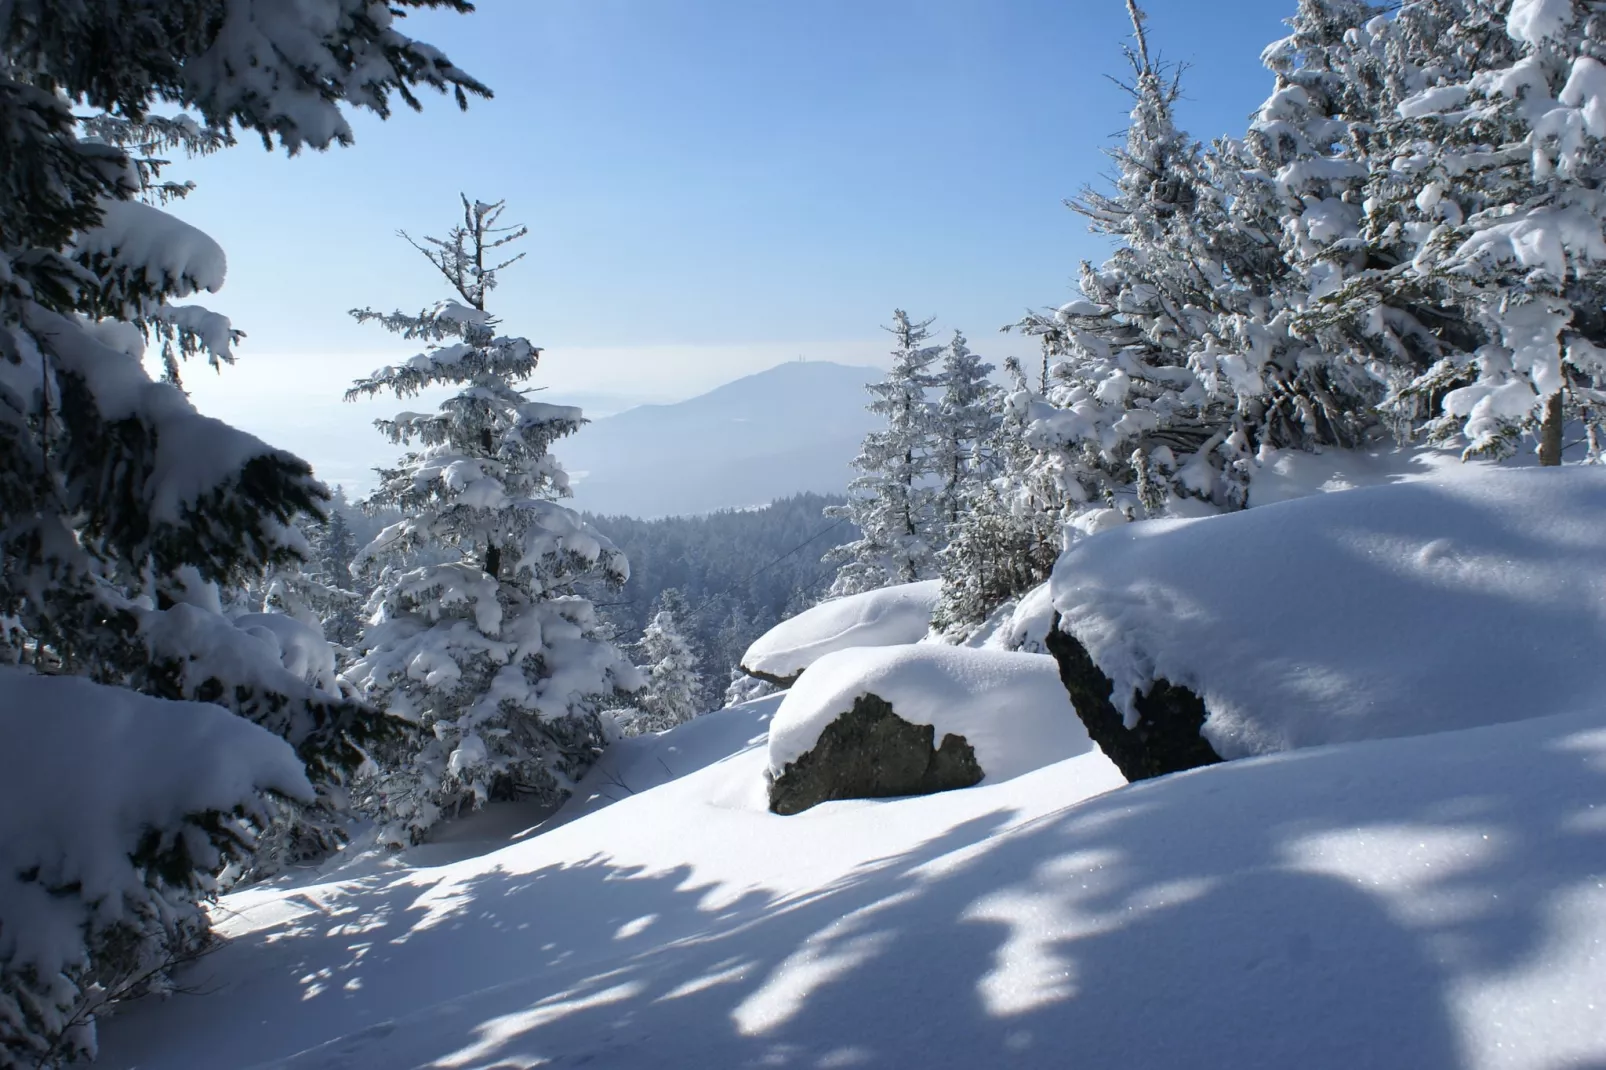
789	430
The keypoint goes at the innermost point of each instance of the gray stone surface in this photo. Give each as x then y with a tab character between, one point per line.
871	753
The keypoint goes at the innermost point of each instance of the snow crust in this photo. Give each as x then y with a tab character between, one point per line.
1011	708
1456	600
1431	902
885	617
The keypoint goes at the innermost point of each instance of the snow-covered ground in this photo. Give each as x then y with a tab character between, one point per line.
1430	902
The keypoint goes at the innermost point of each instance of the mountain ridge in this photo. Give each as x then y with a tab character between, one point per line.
790	429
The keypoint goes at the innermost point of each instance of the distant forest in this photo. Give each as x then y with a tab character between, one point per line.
729	576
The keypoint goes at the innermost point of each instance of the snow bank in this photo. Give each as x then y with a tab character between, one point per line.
1011	708
1458	600
887	617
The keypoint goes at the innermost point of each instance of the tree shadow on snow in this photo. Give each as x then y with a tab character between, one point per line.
1207	920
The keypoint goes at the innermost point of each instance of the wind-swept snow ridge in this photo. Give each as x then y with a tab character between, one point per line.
1011	708
1463	599
887	617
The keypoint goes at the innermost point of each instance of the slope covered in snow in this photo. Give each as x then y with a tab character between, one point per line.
1431	902
1459	599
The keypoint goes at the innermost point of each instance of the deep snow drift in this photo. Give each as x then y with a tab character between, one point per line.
1011	708
1463	598
888	617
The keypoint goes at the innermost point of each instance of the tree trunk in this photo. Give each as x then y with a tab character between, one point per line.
493	553
1550	431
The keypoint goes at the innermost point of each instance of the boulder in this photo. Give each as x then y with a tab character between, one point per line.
1166	738
870	752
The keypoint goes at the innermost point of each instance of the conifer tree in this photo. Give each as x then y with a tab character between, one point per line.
1007	537
1128	424
122	509
673	683
964	425
486	648
891	501
1489	202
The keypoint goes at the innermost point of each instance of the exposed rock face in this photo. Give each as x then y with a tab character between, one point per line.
872	753
782	682
1166	739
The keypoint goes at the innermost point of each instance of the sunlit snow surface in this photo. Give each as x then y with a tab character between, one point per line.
890	616
1427	902
1465	597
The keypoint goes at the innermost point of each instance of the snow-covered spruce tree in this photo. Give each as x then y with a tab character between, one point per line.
122	508
673	683
1007	537
1489	202
1319	364
1128	426
964	423
891	501
488	651
745	688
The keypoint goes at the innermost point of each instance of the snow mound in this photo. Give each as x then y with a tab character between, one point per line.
890	616
1453	601
1011	708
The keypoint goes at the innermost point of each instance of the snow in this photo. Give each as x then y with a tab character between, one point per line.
264	652
86	775
1011	708
300	647
195	455
1458	599
1537	21
885	617
1431	902
141	240
1021	625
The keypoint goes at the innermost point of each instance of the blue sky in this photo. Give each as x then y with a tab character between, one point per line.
711	185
